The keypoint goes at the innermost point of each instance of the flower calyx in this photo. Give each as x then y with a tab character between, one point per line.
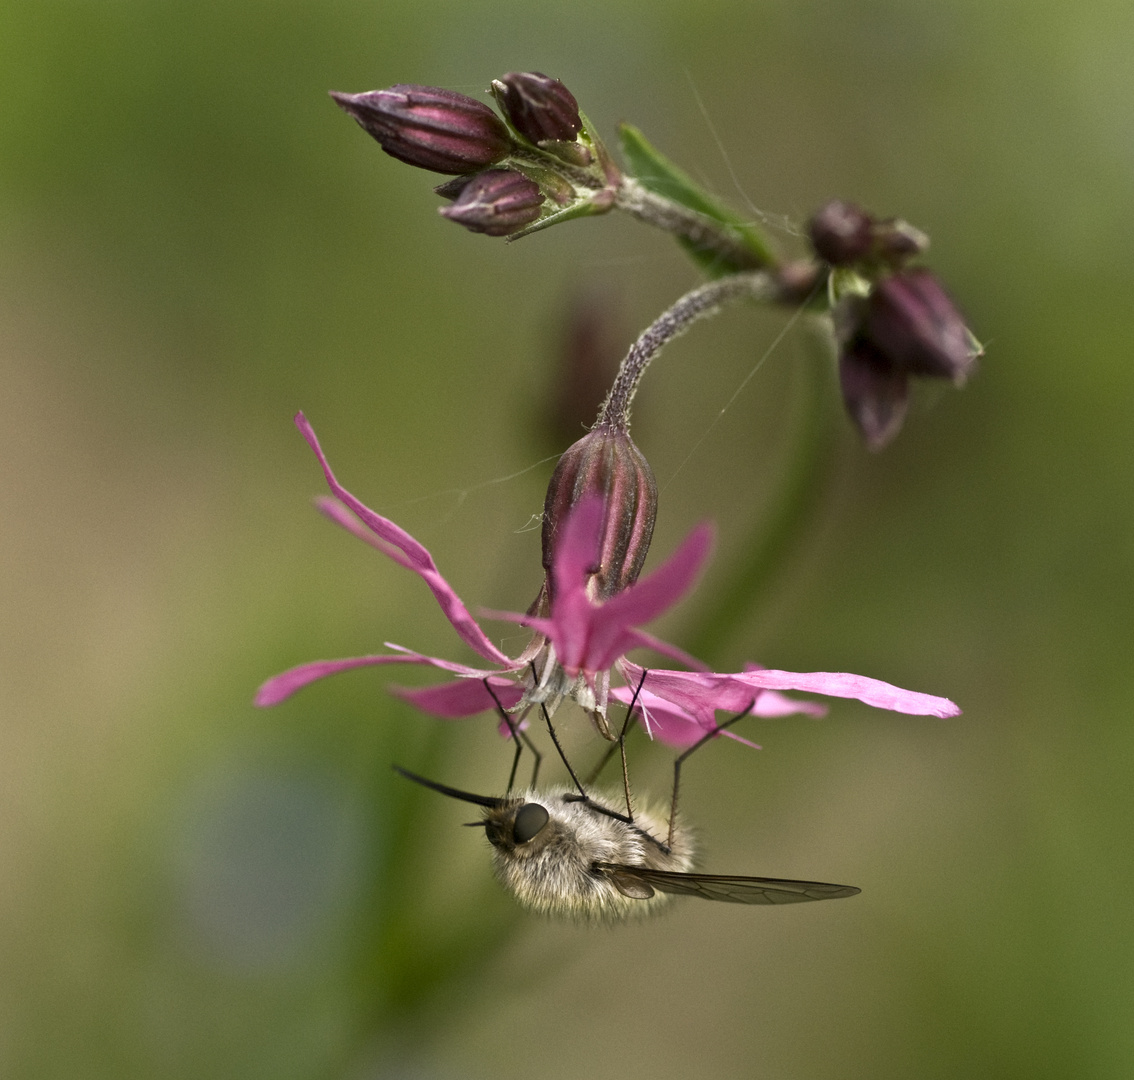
604	467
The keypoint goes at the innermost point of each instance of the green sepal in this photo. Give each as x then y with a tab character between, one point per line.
661	176
585	207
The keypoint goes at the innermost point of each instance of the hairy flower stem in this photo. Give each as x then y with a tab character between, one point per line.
700	303
704	232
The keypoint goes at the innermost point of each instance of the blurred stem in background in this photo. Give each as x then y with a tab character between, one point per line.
778	528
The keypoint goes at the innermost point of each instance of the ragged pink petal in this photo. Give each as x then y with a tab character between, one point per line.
412	555
648	641
881	695
341	516
656	593
771	704
282	686
588	636
694	689
463	697
611	632
668	723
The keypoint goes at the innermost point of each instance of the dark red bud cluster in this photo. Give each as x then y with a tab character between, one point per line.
907	326
875	392
911	319
430	127
539	107
607	464
446	132
497	202
844	234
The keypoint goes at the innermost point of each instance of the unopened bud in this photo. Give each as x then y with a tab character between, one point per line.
605	463
875	392
897	241
539	107
430	127
497	202
841	233
910	318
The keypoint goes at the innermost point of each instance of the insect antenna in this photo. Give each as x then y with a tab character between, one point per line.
697	746
453	793
519	737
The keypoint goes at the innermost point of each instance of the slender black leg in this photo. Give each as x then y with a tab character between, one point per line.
535	754
582	796
622	744
563	756
607	755
697	746
627	727
518	737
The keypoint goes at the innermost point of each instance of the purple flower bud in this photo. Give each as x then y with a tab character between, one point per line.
841	233
910	318
607	464
497	202
875	392
539	107
431	128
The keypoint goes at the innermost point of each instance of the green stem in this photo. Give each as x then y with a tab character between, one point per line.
776	532
702	232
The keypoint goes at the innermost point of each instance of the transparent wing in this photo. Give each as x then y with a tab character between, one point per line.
729	887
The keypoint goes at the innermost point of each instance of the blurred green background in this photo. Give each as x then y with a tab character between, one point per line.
194	243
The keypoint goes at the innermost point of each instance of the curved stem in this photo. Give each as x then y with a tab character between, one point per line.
700	303
776	532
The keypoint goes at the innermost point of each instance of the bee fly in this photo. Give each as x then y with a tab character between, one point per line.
562	853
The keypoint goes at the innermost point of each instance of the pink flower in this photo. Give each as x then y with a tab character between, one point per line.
581	640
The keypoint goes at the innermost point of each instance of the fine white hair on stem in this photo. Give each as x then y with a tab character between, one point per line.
697	304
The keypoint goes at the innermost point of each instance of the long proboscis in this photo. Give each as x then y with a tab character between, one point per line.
453	793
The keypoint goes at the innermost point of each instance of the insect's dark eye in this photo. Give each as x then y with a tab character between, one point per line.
530	819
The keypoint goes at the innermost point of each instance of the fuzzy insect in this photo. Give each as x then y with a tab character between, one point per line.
563	853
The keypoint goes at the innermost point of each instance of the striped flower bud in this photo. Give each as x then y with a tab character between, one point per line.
539	107
430	127
607	464
497	202
910	318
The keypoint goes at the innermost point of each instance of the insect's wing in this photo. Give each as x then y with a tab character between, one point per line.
727	887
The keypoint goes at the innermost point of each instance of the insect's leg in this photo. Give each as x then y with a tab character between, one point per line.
605	759
536	753
563	756
622	744
697	746
514	731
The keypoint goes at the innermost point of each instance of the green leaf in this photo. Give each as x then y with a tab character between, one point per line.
657	173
